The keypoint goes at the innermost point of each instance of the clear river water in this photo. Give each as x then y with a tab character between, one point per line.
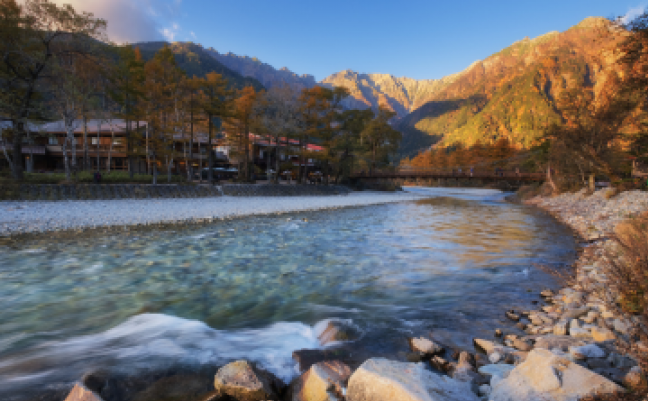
261	287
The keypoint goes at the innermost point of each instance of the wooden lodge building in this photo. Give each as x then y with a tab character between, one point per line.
42	150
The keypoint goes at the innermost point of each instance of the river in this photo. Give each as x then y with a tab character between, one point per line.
261	287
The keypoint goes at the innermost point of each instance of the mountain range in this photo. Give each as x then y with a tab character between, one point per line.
510	94
193	59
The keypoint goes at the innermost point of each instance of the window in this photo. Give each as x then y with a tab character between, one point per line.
118	141
95	141
52	140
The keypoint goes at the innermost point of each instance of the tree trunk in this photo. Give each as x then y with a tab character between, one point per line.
169	164
129	149
98	145
210	173
277	166
73	146
86	152
112	142
592	183
5	145
246	142
199	163
148	158
66	160
550	180
154	172
302	167
191	129
18	133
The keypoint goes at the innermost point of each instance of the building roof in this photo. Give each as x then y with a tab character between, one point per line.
93	126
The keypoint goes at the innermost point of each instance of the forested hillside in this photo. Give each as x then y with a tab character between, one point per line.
513	93
194	60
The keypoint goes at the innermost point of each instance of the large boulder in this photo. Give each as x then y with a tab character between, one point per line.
548	377
82	393
245	382
379	379
320	380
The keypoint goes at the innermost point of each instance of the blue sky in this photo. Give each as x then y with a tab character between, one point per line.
417	38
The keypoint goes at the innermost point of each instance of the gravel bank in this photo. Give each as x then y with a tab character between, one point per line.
595	216
34	217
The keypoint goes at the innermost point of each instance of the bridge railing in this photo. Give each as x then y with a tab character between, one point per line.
428	173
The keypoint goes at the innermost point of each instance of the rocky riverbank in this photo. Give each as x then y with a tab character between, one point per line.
563	350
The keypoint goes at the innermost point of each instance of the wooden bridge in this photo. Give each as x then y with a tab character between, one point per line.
413	173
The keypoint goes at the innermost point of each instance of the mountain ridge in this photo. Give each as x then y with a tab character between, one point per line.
510	94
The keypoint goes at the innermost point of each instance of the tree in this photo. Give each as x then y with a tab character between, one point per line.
380	139
127	90
278	116
29	35
216	104
332	127
315	104
75	77
163	79
347	142
587	144
243	114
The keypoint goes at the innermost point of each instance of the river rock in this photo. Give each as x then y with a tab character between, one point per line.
380	379
634	378
621	326
464	371
496	372
602	334
337	331
306	358
179	388
487	346
320	380
82	393
577	332
512	315
586	351
522	345
594	363
440	363
425	346
245	382
575	313
548	377
621	361
561	328
563	343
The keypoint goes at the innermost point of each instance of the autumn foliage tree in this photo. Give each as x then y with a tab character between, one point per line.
32	35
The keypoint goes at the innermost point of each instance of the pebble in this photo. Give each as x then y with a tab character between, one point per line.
45	216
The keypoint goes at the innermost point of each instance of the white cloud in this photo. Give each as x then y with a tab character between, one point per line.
171	32
133	20
632	13
193	35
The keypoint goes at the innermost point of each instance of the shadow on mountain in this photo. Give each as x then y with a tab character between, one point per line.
445	113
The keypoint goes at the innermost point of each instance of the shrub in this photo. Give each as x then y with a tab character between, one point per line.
626	291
